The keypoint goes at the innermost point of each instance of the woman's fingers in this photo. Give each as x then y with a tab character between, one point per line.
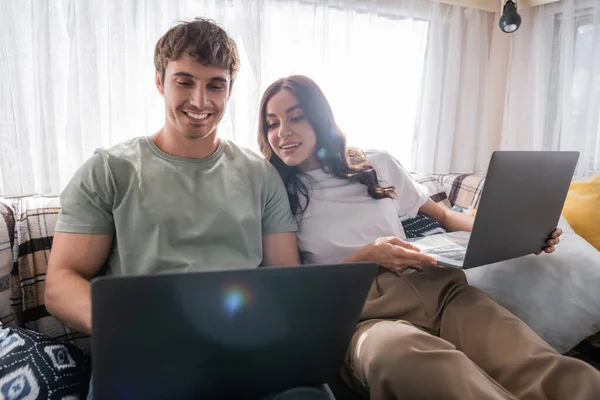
399	242
557	233
411	257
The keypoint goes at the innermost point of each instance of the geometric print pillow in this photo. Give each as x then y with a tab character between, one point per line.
421	225
33	366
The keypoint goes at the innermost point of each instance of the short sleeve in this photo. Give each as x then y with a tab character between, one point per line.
410	195
277	215
86	202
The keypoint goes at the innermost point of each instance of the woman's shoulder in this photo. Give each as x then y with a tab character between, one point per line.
387	166
379	159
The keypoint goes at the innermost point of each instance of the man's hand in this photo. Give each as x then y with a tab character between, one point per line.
552	242
392	253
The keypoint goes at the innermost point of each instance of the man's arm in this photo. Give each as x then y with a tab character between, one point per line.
75	258
451	220
280	249
279	242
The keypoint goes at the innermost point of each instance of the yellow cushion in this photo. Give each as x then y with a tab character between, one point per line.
582	209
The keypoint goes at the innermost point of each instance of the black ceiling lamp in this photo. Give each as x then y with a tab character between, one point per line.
510	20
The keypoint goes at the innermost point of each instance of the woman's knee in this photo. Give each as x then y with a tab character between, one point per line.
394	345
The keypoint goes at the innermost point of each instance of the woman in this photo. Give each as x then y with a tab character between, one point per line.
425	333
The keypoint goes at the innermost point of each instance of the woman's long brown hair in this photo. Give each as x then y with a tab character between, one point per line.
336	158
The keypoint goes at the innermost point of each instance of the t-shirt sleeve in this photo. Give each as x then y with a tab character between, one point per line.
410	195
277	215
86	202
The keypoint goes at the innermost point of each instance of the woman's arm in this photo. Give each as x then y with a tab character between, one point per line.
455	221
451	220
392	253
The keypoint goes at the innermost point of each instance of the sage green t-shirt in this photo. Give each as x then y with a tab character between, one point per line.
174	214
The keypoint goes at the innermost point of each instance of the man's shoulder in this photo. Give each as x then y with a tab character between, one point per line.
126	150
123	158
104	160
244	157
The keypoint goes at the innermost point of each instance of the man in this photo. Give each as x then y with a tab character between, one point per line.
179	200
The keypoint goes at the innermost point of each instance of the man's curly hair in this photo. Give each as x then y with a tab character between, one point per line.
201	39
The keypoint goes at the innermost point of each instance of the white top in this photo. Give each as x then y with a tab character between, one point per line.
341	216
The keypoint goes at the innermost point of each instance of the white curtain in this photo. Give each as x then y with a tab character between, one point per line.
453	129
367	60
535	89
403	75
553	90
78	75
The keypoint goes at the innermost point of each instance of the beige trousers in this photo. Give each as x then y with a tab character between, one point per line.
430	335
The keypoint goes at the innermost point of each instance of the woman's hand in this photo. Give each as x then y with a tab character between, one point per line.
392	253
552	242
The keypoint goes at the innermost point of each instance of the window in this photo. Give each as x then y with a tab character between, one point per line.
572	117
94	87
369	67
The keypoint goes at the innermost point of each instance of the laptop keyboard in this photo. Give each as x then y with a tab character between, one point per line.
456	253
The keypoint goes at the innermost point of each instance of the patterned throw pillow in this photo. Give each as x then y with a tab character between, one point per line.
8	288
436	191
464	190
421	225
33	366
35	219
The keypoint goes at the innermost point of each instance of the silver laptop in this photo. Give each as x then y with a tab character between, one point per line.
520	206
240	334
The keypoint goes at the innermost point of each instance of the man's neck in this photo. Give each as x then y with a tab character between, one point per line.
176	145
